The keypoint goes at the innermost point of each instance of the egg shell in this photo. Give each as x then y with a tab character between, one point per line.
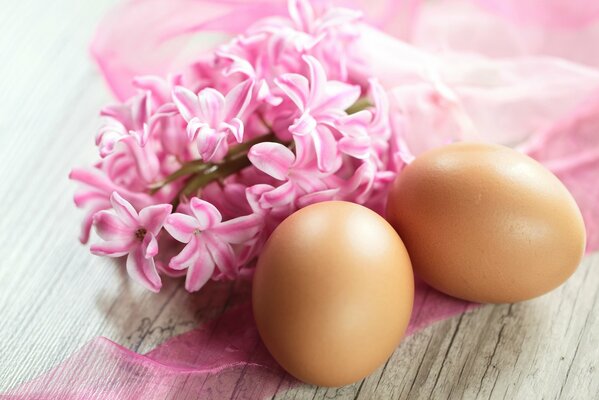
486	223
332	293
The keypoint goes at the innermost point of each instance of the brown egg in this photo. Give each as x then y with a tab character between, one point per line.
333	293
486	223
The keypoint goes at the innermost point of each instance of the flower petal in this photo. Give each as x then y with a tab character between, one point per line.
338	96
212	106
200	271
240	229
124	210
304	125
279	196
186	102
238	99
358	147
152	217
272	158
187	257
181	226
223	255
143	270
113	248
149	246
110	227
235	128
206	214
301	13
326	149
318	80
296	87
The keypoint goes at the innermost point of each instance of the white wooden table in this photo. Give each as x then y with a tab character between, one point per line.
55	296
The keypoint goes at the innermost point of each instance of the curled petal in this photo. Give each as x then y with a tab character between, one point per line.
206	214
304	125
187	257
318	80
235	128
186	102
317	197
200	271
114	248
279	196
143	270
326	149
194	126
223	255
124	210
240	229
253	195
88	219
152	217
271	158
149	246
181	226
358	147
238	99
338	96
296	87
110	227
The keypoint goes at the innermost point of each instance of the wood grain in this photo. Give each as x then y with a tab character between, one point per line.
55	296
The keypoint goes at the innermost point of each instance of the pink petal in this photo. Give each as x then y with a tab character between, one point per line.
326	149
124	210
279	196
116	248
254	193
338	96
143	270
317	197
212	106
149	245
358	147
187	257
240	229
235	127
304	125
206	214
181	226
272	158
318	80
301	13
200	271
88	219
296	87
238	99
194	127
222	254
186	102
110	227
152	217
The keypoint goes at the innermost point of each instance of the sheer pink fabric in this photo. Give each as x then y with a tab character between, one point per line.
480	69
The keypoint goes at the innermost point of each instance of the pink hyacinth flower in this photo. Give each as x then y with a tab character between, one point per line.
124	121
125	232
321	104
300	179
211	117
208	241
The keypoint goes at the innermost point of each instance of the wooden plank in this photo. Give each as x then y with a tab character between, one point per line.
55	296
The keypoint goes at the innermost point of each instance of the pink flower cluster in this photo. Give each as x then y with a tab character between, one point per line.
197	169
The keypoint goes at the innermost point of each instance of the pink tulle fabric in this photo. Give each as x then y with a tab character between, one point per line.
521	73
221	359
